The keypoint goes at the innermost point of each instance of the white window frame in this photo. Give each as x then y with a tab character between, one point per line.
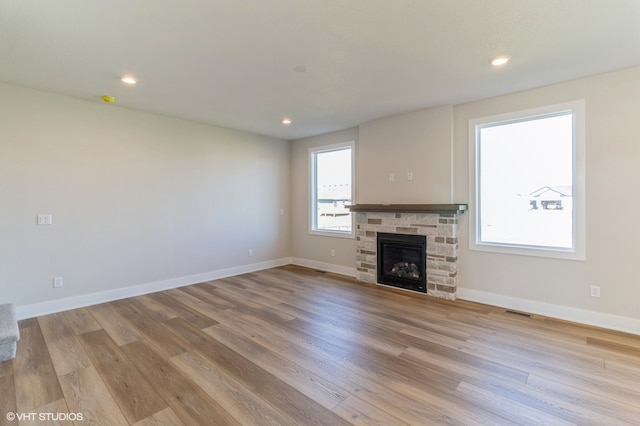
578	249
313	151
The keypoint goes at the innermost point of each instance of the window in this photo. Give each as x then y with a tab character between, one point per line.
527	182
332	189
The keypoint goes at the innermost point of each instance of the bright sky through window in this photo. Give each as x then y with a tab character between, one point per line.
525	182
332	189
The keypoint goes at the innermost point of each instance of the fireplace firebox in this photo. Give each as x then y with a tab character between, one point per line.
402	261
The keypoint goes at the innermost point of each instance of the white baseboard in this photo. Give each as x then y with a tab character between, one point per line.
59	305
598	319
326	267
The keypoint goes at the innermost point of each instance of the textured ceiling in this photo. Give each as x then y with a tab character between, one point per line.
232	62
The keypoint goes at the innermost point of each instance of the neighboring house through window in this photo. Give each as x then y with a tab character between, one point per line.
527	182
332	171
551	198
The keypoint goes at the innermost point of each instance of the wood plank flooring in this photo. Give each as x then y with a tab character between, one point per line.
292	346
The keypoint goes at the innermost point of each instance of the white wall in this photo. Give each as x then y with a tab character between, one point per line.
561	287
314	250
557	288
418	142
136	199
140	198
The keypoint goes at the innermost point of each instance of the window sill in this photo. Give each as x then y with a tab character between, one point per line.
348	235
548	252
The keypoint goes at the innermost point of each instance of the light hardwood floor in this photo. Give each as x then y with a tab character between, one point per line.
291	346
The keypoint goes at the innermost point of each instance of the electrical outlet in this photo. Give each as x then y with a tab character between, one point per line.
595	291
392	177
250	253
333	253
58	282
409	175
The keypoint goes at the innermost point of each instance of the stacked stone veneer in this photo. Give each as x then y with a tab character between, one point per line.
442	246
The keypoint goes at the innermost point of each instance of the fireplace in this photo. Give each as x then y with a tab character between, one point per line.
438	223
401	261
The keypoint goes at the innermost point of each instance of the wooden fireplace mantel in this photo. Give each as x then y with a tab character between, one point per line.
410	208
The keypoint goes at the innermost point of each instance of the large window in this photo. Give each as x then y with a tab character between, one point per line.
527	182
332	189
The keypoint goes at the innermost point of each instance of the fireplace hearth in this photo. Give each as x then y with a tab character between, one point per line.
401	260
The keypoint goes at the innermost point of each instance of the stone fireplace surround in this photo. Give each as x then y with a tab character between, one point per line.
438	222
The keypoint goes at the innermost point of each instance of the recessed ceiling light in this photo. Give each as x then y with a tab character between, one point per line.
499	60
128	79
287	121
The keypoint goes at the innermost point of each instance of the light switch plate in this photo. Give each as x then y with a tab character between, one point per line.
45	219
58	282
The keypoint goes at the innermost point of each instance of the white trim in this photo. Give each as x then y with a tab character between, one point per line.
597	319
312	151
326	267
613	322
59	305
578	251
337	234
452	152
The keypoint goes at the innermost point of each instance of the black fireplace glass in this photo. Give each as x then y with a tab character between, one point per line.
402	261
